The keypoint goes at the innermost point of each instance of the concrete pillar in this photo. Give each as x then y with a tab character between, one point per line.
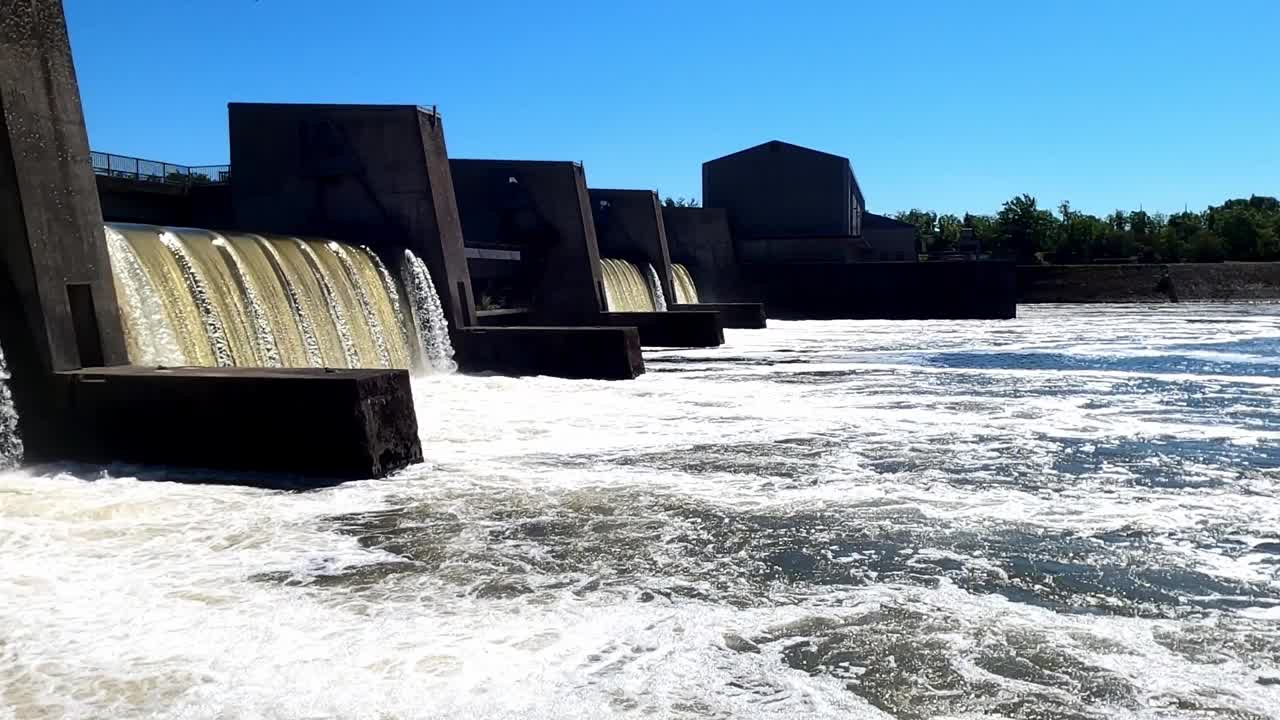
377	175
699	239
57	299
629	227
541	207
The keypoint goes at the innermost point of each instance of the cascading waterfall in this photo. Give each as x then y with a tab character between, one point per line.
337	308
149	332
366	305
268	352
686	291
10	442
625	289
198	289
428	316
655	284
194	297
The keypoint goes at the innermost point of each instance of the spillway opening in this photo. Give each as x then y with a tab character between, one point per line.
682	281
191	297
625	289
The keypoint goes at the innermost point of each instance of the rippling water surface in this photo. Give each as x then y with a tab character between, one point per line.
1070	515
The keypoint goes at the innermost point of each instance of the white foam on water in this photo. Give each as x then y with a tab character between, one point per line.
817	520
10	441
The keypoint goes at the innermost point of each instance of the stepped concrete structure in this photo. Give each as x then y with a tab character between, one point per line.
540	212
380	175
631	226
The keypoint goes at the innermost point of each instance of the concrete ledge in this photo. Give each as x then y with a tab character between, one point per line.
336	424
748	316
1154	283
600	353
982	290
671	329
512	317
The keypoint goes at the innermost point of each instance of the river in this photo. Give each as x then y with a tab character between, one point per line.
1070	515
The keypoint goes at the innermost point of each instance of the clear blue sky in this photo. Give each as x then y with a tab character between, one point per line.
945	105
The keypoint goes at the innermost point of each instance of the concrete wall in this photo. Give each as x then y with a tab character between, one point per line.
371	174
542	208
152	203
780	189
699	239
923	291
629	227
1148	283
889	239
57	298
837	249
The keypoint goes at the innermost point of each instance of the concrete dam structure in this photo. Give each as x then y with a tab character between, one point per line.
538	215
631	228
348	249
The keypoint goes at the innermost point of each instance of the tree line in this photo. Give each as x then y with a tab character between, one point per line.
1239	229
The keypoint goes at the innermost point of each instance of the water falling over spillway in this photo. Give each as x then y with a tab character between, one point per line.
10	442
436	350
625	289
655	284
202	298
686	291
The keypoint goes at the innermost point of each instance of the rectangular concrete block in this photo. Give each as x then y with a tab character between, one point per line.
748	316
601	353
326	424
671	329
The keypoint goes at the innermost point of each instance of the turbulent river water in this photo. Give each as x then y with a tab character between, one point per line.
1070	515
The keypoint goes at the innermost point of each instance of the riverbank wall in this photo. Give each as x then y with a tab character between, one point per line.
1148	283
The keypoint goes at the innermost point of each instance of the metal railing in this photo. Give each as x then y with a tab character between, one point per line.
133	168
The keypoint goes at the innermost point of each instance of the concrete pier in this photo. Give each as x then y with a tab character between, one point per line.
375	175
629	227
699	239
539	207
600	353
347	424
57	298
671	329
750	316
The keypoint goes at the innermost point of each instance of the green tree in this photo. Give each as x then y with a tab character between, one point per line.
680	202
926	227
1025	228
1079	235
986	232
948	235
1247	232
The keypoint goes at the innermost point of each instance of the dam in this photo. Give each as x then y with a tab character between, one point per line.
343	249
